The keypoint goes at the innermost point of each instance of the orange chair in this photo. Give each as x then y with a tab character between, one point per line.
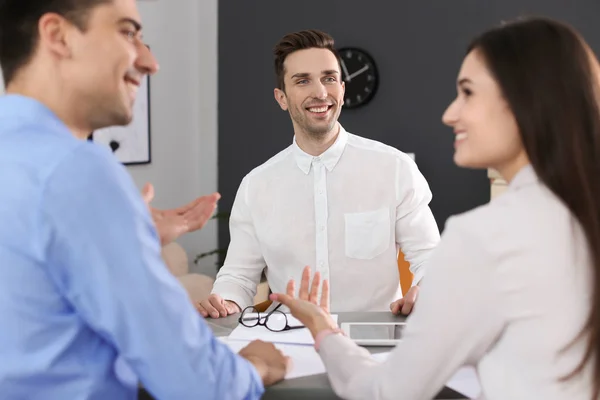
262	307
406	276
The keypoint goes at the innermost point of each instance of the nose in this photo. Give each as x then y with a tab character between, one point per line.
320	91
145	61
450	116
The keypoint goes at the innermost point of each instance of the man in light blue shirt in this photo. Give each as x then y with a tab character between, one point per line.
87	306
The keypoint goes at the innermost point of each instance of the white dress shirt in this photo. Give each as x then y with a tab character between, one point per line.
345	213
508	289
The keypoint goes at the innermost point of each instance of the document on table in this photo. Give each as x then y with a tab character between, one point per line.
464	381
297	344
305	359
294	336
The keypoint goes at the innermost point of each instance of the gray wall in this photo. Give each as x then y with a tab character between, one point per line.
418	47
184	111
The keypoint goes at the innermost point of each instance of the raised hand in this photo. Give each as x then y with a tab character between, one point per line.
173	223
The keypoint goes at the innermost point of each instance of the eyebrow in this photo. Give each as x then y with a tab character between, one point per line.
301	75
463	81
306	74
136	25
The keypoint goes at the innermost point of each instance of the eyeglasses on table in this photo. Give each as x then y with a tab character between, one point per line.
275	320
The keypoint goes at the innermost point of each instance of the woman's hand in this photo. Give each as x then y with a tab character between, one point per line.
306	308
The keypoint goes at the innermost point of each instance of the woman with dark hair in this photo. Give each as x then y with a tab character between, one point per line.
514	286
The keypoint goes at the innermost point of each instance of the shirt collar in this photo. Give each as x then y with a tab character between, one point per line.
524	177
329	158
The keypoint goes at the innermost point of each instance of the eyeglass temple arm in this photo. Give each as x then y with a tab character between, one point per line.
273	310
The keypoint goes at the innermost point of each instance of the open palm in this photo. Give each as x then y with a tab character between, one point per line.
173	223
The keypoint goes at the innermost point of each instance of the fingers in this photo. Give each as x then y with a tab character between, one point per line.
232	307
197	216
291	288
202	206
201	310
271	363
313	297
211	198
407	307
325	296
283	299
199	213
304	284
410	299
214	306
148	193
219	304
209	310
396	306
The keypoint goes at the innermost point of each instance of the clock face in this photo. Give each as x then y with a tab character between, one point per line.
360	76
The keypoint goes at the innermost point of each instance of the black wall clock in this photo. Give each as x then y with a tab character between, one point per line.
360	76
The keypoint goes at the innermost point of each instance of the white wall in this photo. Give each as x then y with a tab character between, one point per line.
183	36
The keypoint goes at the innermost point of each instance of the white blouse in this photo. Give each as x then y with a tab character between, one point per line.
507	290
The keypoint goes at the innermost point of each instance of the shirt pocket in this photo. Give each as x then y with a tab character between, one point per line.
367	233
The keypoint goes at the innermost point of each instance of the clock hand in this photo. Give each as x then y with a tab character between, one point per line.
345	70
360	71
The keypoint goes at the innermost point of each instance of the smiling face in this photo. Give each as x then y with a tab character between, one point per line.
486	132
107	63
313	92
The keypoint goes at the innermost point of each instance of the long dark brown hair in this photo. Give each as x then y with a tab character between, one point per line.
549	78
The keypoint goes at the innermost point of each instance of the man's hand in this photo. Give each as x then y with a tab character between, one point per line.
270	362
405	304
171	224
215	307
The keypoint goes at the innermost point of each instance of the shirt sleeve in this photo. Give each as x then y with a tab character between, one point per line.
417	233
239	276
457	319
103	253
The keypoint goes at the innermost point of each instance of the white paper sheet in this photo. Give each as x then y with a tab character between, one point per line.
464	381
305	359
294	336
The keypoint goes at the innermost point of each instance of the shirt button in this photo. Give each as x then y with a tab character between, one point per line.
322	228
321	264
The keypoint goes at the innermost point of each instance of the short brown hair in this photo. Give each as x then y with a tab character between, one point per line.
19	27
307	39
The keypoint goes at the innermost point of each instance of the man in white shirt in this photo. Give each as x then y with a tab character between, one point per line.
331	200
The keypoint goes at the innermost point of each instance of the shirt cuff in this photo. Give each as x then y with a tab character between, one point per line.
233	292
332	346
256	377
418	276
323	334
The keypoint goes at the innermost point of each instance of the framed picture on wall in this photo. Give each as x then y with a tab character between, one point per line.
131	143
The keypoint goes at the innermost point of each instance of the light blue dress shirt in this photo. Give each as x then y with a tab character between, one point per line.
87	305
